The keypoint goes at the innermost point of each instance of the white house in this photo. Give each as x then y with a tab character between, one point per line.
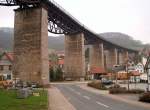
139	67
6	60
144	60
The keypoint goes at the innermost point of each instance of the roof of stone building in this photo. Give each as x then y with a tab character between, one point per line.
99	70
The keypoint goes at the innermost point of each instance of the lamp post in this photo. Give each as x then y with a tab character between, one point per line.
129	67
148	77
147	70
127	75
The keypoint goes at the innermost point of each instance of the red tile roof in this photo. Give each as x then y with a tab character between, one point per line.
61	62
99	70
135	73
10	55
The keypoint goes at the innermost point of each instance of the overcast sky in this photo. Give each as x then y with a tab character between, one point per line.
131	17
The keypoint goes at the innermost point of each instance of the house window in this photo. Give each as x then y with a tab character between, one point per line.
1	67
10	67
9	77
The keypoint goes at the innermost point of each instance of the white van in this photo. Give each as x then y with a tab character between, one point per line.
143	78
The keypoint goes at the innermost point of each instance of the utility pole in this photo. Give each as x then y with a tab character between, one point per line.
127	75
147	69
148	81
129	66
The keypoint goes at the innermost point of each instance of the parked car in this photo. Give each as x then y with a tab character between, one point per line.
106	81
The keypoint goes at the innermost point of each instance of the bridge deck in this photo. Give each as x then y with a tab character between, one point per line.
61	22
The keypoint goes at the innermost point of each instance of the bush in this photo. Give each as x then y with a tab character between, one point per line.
97	85
56	75
145	97
116	89
115	86
136	91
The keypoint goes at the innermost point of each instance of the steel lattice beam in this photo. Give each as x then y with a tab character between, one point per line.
59	20
18	2
7	2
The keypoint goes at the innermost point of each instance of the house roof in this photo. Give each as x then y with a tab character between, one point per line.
99	70
61	61
135	73
9	55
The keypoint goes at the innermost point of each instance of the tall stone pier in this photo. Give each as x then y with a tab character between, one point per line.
97	55
74	57
121	59
112	58
31	45
125	56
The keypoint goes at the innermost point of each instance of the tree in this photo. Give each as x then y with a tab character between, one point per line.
51	74
59	74
56	75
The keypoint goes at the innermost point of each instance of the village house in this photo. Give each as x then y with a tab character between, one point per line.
97	72
139	67
56	59
6	59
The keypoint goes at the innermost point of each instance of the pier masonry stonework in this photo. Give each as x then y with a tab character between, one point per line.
31	45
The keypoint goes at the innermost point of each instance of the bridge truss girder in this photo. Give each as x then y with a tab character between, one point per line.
18	2
57	23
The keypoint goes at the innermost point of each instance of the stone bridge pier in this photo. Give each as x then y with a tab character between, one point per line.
111	56
123	57
97	56
105	57
31	45
74	57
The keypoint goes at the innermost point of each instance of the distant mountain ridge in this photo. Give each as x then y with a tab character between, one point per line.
6	40
123	40
57	43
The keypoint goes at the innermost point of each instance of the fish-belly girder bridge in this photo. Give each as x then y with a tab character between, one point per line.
33	18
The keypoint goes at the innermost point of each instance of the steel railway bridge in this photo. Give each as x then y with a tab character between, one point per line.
104	53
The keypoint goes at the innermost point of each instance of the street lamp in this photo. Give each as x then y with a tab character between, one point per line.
148	77
127	73
129	66
147	70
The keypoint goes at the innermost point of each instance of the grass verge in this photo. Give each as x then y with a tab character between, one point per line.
9	101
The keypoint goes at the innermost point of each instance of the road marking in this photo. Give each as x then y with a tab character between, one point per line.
71	89
78	93
86	97
99	103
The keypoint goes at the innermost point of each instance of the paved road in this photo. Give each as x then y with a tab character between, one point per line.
85	100
136	86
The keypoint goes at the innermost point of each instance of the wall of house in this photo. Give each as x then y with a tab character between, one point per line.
6	67
140	68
